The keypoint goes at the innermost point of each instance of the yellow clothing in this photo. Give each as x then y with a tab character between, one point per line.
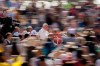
19	61
1	49
4	64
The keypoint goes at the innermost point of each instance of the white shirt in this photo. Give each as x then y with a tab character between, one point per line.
16	33
7	42
71	30
97	62
33	32
43	34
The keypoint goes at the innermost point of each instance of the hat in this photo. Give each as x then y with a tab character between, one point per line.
71	43
35	50
56	29
29	27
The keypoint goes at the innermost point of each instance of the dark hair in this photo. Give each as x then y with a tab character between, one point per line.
21	37
8	34
26	35
25	64
71	35
42	58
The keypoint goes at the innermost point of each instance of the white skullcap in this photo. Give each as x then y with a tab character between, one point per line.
45	24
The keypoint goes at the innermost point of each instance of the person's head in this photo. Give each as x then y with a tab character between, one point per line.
45	26
73	23
42	58
71	35
21	37
17	29
41	11
29	29
81	15
85	49
9	36
26	35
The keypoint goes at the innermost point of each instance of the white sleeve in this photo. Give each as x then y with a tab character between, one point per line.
33	32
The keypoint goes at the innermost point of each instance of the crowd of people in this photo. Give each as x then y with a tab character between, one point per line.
69	37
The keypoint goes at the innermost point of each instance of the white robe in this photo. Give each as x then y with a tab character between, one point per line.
43	34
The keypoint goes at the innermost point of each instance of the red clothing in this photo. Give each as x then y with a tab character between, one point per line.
78	64
72	11
57	39
2	15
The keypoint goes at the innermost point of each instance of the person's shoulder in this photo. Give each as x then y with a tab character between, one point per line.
33	30
41	29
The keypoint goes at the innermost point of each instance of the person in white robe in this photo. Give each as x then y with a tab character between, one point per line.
43	32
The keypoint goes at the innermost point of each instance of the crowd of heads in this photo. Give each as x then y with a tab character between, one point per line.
77	29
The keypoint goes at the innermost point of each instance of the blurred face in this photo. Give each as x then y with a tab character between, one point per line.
85	50
73	23
45	27
29	29
50	31
17	29
9	36
80	16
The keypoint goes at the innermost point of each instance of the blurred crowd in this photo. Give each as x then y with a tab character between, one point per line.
56	36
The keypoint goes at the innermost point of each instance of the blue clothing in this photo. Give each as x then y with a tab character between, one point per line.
81	24
48	47
8	3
